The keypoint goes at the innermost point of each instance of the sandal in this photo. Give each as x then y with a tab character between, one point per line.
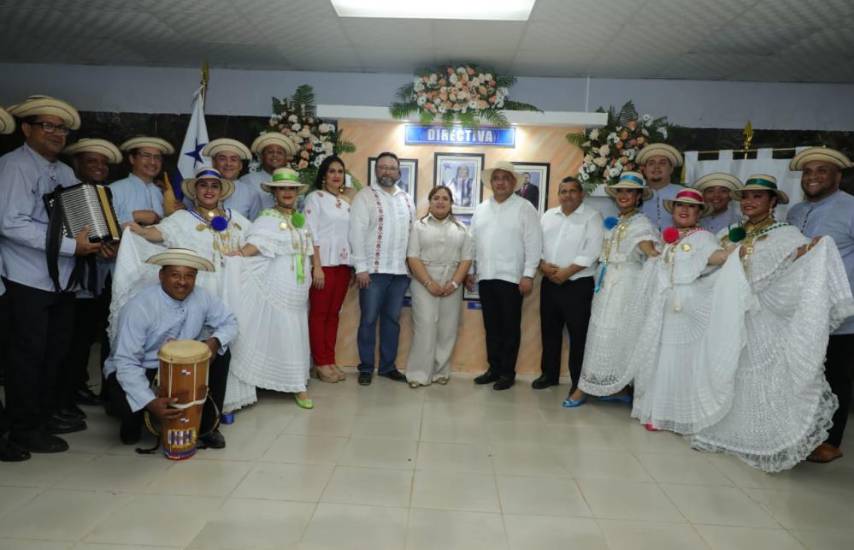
327	374
306	403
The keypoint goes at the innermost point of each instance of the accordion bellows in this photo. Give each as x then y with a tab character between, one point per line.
86	204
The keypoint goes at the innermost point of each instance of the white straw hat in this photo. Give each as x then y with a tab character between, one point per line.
36	105
95	145
181	257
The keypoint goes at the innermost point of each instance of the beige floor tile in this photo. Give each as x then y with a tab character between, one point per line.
157	520
647	535
408	427
455	530
825	539
42	470
526	459
453	456
302	482
267	415
123	474
615	499
318	423
549	533
256	524
205	478
305	449
61	515
379	453
595	437
447	490
12	498
719	537
369	486
453	430
583	463
22	544
88	546
806	510
241	444
541	496
336	526
718	506
682	469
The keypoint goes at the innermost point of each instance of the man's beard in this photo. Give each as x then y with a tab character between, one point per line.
386	181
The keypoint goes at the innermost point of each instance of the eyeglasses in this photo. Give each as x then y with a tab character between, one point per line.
51	128
386	168
150	156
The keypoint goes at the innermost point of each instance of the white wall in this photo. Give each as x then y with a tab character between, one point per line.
699	104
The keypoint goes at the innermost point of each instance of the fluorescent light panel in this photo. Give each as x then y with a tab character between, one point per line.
485	10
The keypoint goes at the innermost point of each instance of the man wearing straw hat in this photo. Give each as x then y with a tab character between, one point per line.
9	452
826	210
274	150
137	198
717	189
91	159
41	308
227	155
658	161
508	244
171	310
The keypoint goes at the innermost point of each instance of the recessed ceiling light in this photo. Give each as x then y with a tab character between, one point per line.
486	10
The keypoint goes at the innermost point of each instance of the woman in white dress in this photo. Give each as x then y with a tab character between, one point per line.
629	239
327	213
439	256
688	344
268	291
783	405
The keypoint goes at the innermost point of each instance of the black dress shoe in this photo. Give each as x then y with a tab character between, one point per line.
543	382
38	442
213	440
395	375
131	430
71	412
10	452
503	384
365	378
486	378
85	396
61	425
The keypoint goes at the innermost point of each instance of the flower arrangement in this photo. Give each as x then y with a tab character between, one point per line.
296	117
463	93
611	149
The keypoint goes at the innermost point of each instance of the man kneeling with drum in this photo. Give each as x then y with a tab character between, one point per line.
157	315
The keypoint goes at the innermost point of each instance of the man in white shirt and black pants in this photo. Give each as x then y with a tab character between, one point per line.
508	243
572	242
380	219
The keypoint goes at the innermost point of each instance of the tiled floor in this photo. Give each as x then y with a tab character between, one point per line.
448	467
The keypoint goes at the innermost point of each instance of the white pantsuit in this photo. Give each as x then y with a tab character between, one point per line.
441	245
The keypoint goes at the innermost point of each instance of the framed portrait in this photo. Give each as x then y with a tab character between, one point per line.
408	175
464	218
535	183
460	172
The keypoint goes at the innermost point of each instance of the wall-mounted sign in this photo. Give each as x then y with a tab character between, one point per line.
418	134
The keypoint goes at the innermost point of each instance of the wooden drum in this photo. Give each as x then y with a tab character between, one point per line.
183	375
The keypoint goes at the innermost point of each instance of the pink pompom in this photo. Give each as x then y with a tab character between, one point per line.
670	235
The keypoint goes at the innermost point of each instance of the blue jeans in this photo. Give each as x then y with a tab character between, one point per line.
382	300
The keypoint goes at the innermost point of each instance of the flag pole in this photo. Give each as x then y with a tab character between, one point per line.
206	75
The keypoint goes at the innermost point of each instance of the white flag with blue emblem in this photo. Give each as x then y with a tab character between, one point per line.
194	141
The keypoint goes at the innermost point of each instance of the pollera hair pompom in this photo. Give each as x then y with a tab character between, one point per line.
611	222
670	235
218	223
736	234
298	219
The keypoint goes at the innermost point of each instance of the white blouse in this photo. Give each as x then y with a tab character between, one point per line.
439	242
328	218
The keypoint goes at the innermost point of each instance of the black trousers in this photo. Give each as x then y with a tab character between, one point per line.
837	369
116	403
501	304
4	348
565	305
41	326
88	324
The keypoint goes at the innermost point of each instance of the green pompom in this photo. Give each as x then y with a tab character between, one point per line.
737	234
298	219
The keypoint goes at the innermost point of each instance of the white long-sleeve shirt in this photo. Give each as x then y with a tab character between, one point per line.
379	230
574	239
508	239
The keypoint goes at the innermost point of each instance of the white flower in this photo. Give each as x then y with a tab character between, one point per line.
487	76
600	161
463	109
612	137
630	153
437	100
318	160
461	69
273	120
305	132
328	147
594	134
422	99
292	118
295	127
324	128
583	176
453	79
604	150
645	132
499	104
646	119
433	78
441	109
419	86
472	104
586	144
663	132
588	158
614	172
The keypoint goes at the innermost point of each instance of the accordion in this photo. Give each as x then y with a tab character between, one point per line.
82	205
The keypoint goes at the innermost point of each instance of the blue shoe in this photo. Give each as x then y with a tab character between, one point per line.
625	398
573	403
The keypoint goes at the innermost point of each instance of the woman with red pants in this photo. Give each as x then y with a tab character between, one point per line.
327	211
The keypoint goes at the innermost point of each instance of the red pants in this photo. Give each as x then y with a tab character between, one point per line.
324	306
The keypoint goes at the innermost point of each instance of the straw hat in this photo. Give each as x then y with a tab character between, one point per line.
7	122
147	141
822	154
761	182
188	186
688	196
504	166
226	145
181	257
94	145
660	150
284	177
48	106
630	180
717	179
274	138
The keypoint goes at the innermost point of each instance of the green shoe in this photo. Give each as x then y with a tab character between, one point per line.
304	403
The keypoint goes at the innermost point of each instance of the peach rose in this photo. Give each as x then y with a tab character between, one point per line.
632	124
470	71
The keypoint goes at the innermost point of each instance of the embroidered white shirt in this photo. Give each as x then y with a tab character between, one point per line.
328	218
379	230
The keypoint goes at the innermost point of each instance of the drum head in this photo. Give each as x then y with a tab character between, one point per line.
184	351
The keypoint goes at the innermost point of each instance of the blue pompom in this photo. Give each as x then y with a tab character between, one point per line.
218	223
611	222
